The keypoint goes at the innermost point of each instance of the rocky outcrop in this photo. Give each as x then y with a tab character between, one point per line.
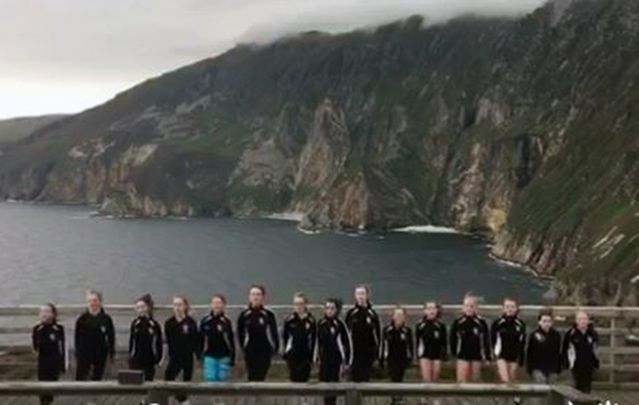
522	131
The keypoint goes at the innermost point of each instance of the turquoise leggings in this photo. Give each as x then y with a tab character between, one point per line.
216	369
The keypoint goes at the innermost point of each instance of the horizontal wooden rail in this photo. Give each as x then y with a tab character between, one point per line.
159	392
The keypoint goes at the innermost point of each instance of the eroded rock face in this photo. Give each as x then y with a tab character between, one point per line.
522	131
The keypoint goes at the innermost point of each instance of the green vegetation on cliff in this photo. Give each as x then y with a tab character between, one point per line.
521	130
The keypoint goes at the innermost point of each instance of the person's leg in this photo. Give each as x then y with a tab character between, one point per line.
503	371
82	369
149	372
208	372
224	369
582	380
426	369
264	364
329	372
172	370
251	367
539	378
99	366
436	369
47	372
475	371
463	371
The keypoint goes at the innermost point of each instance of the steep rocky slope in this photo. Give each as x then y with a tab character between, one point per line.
523	131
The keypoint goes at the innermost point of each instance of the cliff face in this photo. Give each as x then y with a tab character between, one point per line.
523	131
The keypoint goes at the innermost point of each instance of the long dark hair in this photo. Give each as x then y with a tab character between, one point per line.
148	300
54	311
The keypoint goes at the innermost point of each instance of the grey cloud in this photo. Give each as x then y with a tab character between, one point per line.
108	43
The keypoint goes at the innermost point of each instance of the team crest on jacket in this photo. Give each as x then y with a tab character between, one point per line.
308	326
436	334
185	329
52	337
369	320
476	331
261	321
403	335
332	330
219	327
103	329
540	337
151	331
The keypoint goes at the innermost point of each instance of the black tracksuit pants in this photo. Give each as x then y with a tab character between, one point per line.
583	379
147	367
329	372
177	366
257	365
90	367
396	370
299	369
361	368
48	372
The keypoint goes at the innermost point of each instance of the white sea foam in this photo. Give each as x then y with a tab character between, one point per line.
287	216
425	229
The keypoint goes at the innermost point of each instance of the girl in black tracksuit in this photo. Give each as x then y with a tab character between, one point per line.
508	337
183	341
579	351
397	346
334	345
145	342
258	336
298	337
364	325
543	355
94	340
432	342
49	344
218	342
470	341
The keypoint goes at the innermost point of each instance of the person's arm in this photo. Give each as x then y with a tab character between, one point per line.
131	339
556	348
272	325
111	337
453	339
34	339
231	342
564	350
62	350
285	336
383	348
488	352
313	338
347	344
522	344
377	330
411	345
195	339
595	349
444	336
78	336
530	353
241	330
159	343
494	331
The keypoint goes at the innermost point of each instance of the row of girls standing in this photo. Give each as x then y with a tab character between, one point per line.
340	347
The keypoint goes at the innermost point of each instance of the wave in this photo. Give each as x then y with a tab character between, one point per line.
286	216
426	229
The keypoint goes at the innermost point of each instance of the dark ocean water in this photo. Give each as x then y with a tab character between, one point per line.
51	253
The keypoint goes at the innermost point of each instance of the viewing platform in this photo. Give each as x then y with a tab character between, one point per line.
616	381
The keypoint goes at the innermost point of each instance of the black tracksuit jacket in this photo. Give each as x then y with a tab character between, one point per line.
470	339
218	340
432	339
508	336
544	352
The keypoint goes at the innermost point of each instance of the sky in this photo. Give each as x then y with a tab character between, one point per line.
63	56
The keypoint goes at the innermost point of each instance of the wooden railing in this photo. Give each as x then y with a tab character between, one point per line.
619	349
353	394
